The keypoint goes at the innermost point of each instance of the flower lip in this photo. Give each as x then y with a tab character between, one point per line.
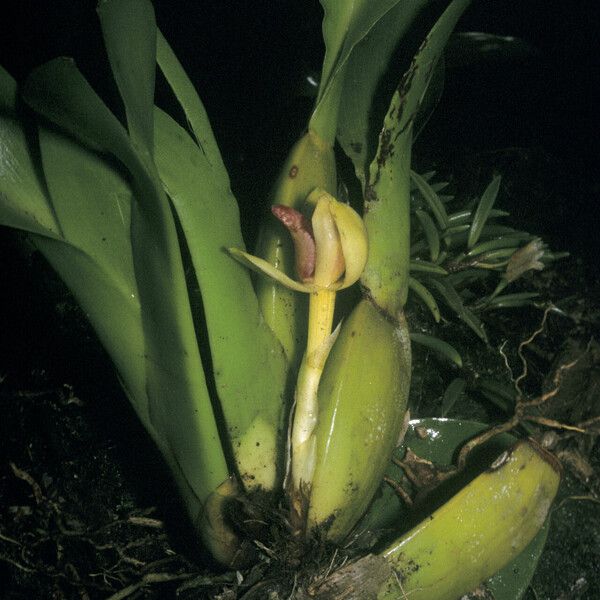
301	230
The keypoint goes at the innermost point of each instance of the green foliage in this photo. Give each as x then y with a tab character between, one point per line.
452	251
119	212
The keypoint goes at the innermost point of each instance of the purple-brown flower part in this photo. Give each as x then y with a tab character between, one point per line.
300	229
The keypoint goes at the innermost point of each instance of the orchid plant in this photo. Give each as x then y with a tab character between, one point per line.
303	408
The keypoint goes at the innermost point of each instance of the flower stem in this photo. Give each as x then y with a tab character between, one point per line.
320	341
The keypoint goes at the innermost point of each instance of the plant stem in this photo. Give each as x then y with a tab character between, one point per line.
320	340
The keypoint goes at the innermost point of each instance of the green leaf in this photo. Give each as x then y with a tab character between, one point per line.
24	203
361	38
117	320
431	234
510	242
425	295
191	105
423	266
432	199
452	393
512	300
387	195
113	312
241	343
483	210
443	348
465	216
454	301
129	33
92	203
436	440
492	230
174	377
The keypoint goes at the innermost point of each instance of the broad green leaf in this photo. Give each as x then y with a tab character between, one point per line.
241	343
483	209
23	200
438	440
175	378
129	33
440	346
58	92
363	61
117	320
92	203
387	195
177	389
192	106
113	312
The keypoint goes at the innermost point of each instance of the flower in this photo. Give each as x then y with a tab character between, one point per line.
523	260
331	249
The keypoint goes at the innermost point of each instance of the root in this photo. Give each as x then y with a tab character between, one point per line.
522	404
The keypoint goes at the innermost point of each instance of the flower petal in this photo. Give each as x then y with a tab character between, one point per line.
265	268
329	264
353	238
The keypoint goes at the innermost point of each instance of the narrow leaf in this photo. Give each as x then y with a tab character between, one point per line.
452	393
431	197
439	346
464	216
425	295
483	210
512	300
454	301
499	243
431	234
423	266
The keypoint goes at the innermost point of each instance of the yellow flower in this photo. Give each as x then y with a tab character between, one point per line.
331	248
